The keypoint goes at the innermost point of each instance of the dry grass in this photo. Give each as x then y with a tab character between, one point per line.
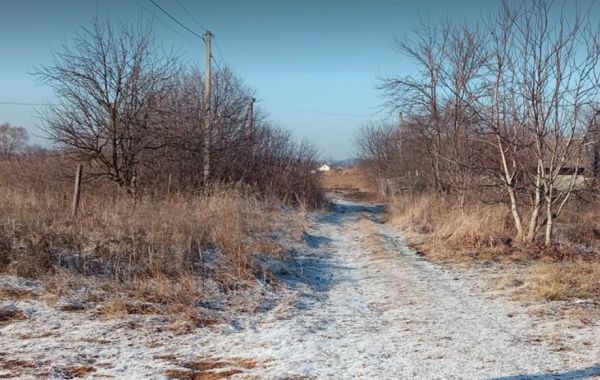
12	293
563	280
483	232
16	368
159	250
151	236
350	178
205	369
452	231
193	375
353	183
10	314
372	240
79	371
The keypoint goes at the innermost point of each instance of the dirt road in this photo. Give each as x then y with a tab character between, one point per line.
359	304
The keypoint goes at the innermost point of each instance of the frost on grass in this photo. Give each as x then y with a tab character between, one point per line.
353	302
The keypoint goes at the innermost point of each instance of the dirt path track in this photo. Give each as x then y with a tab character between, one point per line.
372	308
359	304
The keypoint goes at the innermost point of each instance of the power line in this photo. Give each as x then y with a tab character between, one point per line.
25	104
177	21
153	14
222	59
297	109
217	64
321	112
219	51
192	17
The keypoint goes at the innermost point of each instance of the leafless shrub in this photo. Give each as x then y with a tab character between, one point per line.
136	117
110	86
503	111
12	139
159	250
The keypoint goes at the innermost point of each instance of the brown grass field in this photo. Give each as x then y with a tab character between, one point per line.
355	182
483	233
157	254
166	253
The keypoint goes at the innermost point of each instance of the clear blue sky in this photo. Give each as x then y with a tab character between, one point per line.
298	55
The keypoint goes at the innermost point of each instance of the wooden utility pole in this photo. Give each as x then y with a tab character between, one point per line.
76	191
400	121
207	104
251	113
400	132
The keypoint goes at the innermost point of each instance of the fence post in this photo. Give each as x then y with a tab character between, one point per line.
76	191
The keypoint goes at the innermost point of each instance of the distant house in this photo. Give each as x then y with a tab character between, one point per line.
324	168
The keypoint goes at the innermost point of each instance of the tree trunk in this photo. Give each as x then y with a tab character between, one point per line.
535	211
549	218
514	209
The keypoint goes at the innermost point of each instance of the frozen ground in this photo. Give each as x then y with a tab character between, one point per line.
358	304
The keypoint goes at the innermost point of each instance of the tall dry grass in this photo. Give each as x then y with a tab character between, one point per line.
355	182
349	178
562	280
451	229
161	250
478	231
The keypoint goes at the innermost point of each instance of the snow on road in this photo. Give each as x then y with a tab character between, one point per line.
358	304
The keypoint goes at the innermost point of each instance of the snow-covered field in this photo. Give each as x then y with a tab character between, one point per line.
358	304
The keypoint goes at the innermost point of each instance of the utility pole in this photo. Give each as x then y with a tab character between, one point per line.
250	136
251	113
400	122
207	104
76	191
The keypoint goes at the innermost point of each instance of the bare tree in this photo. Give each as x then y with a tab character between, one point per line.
461	81
543	76
12	139
436	103
419	96
135	116
509	104
230	128
593	143
111	85
379	147
245	149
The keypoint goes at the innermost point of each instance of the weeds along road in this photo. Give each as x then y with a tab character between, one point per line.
358	304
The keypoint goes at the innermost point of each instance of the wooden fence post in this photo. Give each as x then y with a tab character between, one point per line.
76	191
169	185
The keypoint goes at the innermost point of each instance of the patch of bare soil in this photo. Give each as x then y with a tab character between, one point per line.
208	369
14	293
79	372
10	314
14	368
